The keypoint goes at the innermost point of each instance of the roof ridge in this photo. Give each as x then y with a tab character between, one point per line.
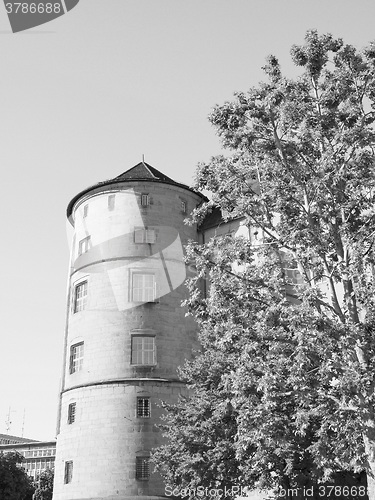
148	168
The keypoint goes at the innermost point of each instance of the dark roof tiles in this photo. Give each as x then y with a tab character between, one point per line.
212	219
144	171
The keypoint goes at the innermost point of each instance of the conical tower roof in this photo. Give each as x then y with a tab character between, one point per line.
140	172
144	171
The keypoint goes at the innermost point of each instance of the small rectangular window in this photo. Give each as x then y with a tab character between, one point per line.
139	235
143	350
68	475
183	206
111	202
150	236
142	469
80	296
145	200
76	358
71	413
144	235
84	245
143	287
143	407
85	210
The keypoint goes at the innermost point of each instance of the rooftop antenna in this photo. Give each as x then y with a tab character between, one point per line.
8	422
23	422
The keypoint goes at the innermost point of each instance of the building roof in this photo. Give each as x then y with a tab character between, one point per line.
15	439
144	171
212	219
140	172
29	445
215	219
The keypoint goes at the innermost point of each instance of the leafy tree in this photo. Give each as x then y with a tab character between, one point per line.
287	329
202	432
14	482
44	489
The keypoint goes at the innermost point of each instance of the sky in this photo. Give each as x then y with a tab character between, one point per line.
82	98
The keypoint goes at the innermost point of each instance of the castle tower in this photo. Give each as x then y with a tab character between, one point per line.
126	333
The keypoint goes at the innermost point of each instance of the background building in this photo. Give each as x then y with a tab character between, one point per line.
8	439
38	455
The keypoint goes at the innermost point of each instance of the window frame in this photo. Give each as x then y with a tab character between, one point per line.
145	200
142	468
143	411
144	235
76	362
68	471
72	408
83	245
111	202
144	291
80	303
139	356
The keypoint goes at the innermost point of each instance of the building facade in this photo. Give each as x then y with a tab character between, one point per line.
126	333
38	455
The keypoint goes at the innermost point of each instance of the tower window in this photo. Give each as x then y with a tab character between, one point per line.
80	296
85	210
111	202
143	407
71	413
143	235
68	475
76	357
142	468
183	206
143	287
143	350
145	200
84	245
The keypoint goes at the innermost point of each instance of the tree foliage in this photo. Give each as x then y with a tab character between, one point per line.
14	482
284	382
44	488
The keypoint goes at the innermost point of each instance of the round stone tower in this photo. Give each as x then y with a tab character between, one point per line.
126	333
